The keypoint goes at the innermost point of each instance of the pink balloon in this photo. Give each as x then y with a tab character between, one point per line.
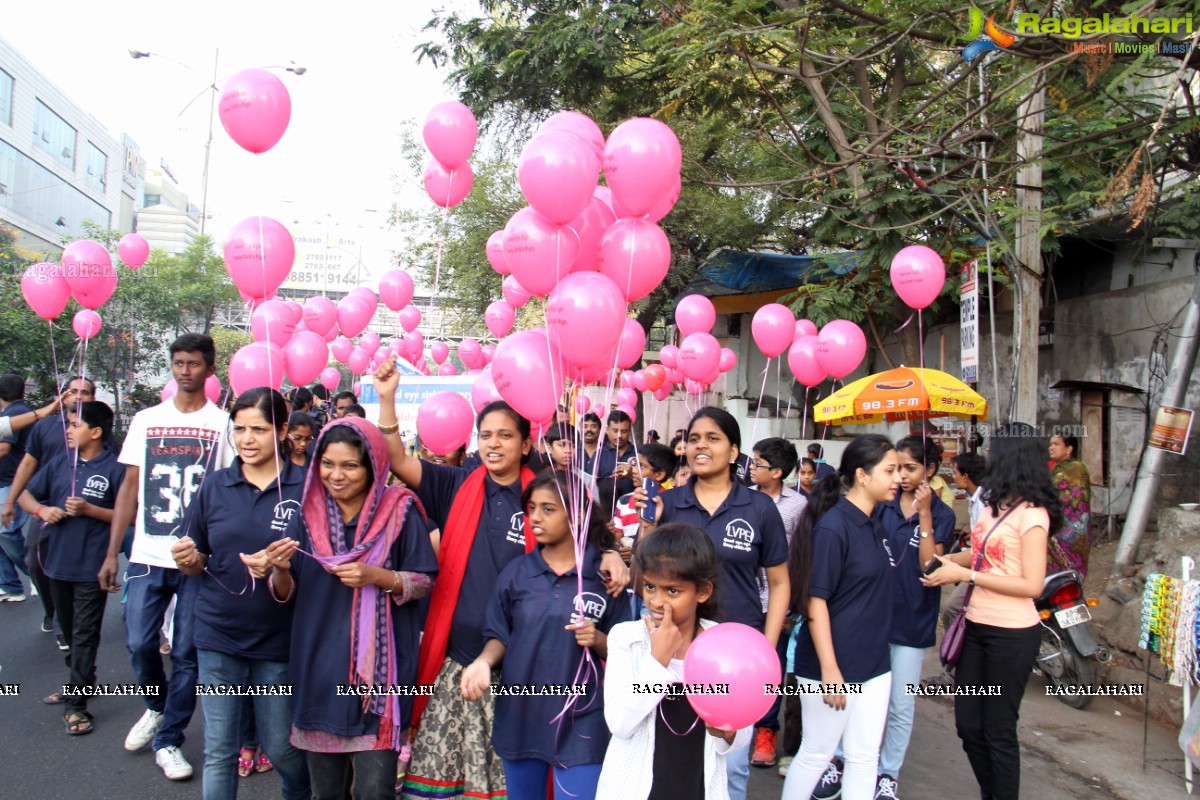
444	422
212	388
133	249
585	316
272	322
413	345
447	370
378	359
694	388
410	318
341	349
367	295
440	352
448	187
296	310
663	392
557	173
728	360
499	318
370	343
88	268
636	255
320	314
734	655
489	352
331	334
307	355
604	195
257	364
773	329
626	379
632	344
514	293
86	323
259	254
358	361
639	381
495	252
699	355
538	252
255	109
841	347
45	289
330	378
918	275
805	327
631	410
356	387
669	356
590	226
667	201
675	377
483	390
582	126
450	132
470	354
170	389
582	404
396	289
528	374
654	375
802	361
627	397
641	159
695	314
354	315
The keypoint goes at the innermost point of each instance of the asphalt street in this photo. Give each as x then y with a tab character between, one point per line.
41	761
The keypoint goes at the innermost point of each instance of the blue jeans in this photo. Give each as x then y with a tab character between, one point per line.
148	592
223	716
737	771
12	549
906	670
526	780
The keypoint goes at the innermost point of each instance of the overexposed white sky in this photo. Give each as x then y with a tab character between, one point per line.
340	154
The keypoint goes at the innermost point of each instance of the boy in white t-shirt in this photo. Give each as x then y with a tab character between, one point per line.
168	450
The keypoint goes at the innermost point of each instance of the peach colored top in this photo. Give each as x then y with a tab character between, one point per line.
1003	557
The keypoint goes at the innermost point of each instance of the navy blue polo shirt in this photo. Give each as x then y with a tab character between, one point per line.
823	469
606	460
77	545
499	539
320	653
851	571
228	516
914	619
528	614
747	533
8	464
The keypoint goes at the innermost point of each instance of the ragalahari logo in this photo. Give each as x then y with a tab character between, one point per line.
985	36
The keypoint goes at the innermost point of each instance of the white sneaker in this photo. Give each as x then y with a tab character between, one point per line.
143	731
7	597
173	764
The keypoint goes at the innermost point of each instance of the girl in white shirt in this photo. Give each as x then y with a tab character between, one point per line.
660	747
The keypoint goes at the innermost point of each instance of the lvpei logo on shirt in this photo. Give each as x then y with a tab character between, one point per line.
739	535
282	515
96	487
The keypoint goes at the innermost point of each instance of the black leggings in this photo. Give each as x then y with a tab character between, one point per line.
1002	657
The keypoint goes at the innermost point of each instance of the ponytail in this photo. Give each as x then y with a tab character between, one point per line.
823	496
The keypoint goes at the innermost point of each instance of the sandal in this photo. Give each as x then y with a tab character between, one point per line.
55	699
78	723
245	762
264	763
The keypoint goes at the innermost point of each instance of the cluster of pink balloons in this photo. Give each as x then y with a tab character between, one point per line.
833	352
450	132
589	250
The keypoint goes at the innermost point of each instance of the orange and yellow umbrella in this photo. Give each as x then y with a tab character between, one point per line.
901	394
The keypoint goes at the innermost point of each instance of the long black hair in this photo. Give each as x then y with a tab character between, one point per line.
270	404
683	552
1016	469
523	426
921	448
864	452
728	425
599	535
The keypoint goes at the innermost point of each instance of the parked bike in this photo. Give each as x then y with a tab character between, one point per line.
1068	653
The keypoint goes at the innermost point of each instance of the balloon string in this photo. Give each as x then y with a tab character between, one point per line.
437	260
758	408
804	422
923	416
778	383
58	385
83	344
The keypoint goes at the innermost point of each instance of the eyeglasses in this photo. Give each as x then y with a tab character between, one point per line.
759	465
298	438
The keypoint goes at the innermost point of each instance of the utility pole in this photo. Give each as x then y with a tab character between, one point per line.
1028	277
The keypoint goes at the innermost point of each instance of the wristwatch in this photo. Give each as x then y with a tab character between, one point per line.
926	534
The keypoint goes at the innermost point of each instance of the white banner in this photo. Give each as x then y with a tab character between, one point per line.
413	391
968	296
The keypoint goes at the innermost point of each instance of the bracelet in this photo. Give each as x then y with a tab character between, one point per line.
37	511
395	582
390	430
973	575
35	413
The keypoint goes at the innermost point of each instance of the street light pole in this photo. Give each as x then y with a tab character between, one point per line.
212	105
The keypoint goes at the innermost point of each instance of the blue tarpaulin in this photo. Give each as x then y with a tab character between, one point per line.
740	272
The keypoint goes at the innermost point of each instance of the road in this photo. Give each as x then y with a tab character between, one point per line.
41	761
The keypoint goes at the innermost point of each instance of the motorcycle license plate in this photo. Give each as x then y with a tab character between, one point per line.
1075	615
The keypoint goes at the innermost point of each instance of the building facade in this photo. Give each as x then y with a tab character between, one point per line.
59	167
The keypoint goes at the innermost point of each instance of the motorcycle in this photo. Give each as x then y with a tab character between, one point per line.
1068	653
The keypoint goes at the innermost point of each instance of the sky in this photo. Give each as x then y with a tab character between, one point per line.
340	155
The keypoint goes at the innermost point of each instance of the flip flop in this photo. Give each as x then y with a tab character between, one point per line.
55	699
263	764
245	762
78	723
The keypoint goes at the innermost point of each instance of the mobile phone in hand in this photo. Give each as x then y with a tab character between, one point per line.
651	487
932	566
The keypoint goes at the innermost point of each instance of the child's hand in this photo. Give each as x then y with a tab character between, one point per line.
665	638
618	573
476	679
586	634
75	507
51	515
720	734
